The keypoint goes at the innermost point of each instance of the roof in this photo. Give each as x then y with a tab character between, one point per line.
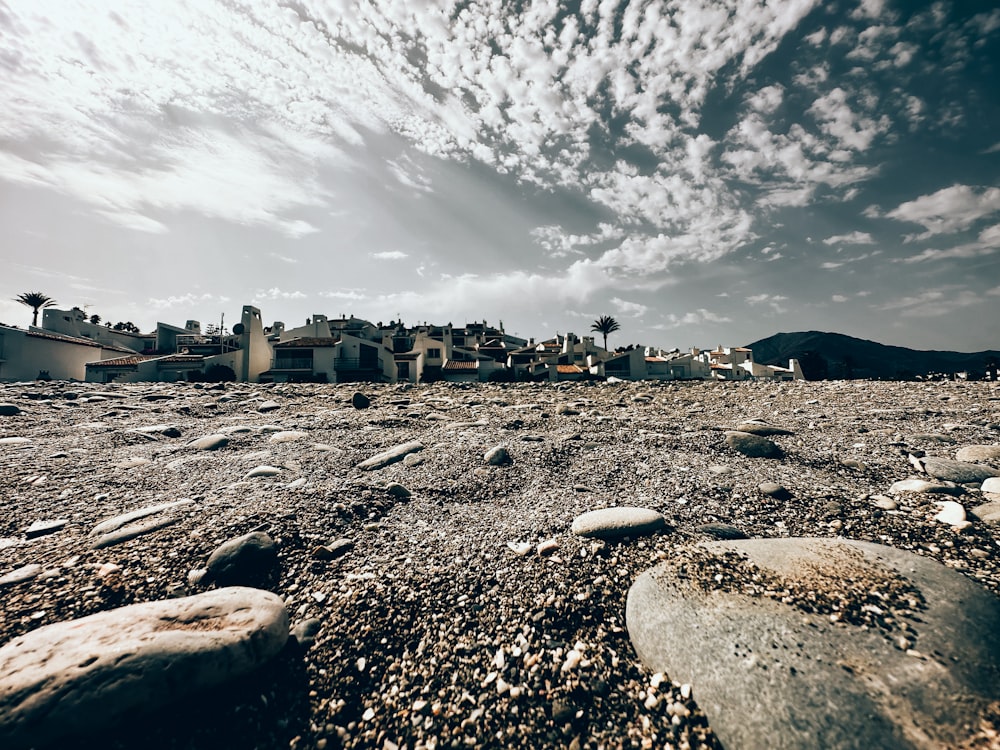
657	359
307	342
116	348
407	356
742	349
132	361
59	337
569	369
458	364
179	358
717	366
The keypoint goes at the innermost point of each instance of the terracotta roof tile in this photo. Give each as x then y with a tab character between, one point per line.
457	364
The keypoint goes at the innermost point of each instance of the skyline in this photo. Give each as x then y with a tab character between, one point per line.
705	176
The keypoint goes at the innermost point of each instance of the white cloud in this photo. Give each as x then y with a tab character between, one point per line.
345	294
389	255
830	265
932	303
184	300
624	307
693	318
838	298
852	238
274	293
771	300
987	243
948	210
283	258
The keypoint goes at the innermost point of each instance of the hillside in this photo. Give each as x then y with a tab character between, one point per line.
834	355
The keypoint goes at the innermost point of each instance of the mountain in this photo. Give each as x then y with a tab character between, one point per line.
834	355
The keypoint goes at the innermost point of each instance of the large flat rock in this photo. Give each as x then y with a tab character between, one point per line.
733	619
82	675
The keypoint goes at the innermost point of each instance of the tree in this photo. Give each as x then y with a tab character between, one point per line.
128	327
36	301
605	325
95	319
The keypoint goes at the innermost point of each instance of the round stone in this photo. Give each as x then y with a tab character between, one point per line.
9	410
751	445
86	674
976	453
613	523
746	624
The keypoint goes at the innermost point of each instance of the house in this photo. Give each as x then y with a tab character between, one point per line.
737	363
426	353
187	354
343	358
33	353
75	324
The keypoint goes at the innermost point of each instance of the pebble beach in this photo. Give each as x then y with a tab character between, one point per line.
450	565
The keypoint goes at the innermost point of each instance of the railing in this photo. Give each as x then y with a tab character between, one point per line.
349	364
299	363
195	342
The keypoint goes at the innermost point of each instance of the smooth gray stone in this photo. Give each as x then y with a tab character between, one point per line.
22	574
922	485
268	406
208	443
43	528
751	445
86	674
124	519
390	456
988	512
978	453
768	674
248	559
398	491
957	471
775	490
991	486
613	523
132	530
763	429
498	456
721	531
9	410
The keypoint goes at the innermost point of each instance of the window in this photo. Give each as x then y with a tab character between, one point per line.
433	354
403	370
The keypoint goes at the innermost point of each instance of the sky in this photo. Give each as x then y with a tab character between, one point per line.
706	171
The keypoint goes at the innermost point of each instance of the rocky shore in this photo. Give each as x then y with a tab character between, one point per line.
445	582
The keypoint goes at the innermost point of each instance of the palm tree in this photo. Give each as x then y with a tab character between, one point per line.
605	325
36	301
95	319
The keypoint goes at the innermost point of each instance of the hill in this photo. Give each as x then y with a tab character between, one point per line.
834	355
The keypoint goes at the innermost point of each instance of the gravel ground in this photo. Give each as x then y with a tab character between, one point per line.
467	614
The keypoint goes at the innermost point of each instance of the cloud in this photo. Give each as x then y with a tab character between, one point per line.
771	300
389	255
695	317
854	238
830	265
932	303
838	298
283	258
184	300
987	243
345	294
274	293
948	210
624	307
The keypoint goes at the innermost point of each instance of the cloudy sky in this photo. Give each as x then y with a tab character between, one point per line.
706	171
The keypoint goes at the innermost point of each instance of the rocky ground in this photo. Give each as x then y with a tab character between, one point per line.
442	600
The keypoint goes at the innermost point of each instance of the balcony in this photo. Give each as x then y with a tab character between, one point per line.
355	364
293	363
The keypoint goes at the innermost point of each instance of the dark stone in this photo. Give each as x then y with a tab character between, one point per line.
246	560
768	672
360	401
